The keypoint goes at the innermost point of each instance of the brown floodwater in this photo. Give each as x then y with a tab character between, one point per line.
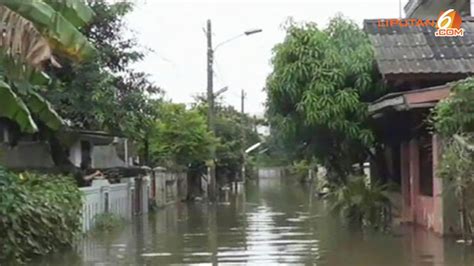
271	222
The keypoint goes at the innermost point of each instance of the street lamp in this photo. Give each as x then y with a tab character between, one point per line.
250	32
245	33
219	92
210	94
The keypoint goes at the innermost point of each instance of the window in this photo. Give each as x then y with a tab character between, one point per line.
426	164
86	150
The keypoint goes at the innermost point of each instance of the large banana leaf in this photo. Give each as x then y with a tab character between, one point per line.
76	11
12	107
61	34
44	111
21	38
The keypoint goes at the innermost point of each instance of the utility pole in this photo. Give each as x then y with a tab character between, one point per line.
242	126
210	113
399	9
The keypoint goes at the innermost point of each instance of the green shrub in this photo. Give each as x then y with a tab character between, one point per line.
360	203
453	119
38	214
457	168
107	222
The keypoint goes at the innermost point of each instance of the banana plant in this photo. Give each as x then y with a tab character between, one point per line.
33	31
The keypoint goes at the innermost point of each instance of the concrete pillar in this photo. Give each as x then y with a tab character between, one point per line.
407	212
414	176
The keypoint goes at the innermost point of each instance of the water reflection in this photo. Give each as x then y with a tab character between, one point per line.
273	222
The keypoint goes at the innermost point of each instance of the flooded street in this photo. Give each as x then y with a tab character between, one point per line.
273	222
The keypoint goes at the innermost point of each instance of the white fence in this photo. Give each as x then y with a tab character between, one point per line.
120	199
132	196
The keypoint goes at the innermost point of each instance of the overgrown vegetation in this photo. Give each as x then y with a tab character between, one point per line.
360	203
38	214
300	169
106	222
454	120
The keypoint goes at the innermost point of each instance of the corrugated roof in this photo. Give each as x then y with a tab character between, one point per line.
415	50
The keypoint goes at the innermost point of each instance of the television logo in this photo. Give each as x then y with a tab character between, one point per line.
449	24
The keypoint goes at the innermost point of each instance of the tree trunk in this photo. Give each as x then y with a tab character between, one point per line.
146	152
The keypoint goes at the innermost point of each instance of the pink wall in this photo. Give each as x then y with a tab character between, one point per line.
407	213
417	208
437	189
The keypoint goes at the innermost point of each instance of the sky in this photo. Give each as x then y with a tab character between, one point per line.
174	33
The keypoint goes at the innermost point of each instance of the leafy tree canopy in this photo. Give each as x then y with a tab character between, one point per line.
319	90
179	137
234	131
106	94
455	115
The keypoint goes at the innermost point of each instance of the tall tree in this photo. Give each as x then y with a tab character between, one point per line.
319	90
107	94
234	131
180	137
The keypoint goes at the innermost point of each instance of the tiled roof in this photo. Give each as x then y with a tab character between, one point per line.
415	50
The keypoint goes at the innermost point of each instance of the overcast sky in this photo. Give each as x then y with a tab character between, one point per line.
174	31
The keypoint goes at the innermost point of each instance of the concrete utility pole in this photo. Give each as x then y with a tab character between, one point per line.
242	172
211	96
210	113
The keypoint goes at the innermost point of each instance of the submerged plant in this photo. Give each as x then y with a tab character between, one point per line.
361	203
105	222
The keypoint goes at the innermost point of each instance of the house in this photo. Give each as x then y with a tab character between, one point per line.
96	149
431	8
23	151
419	69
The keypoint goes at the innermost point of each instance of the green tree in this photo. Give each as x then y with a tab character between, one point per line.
319	90
32	32
180	137
455	114
234	131
107	94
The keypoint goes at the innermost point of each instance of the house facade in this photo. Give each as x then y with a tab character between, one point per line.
418	68
96	149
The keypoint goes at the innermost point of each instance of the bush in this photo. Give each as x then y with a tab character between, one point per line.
457	167
38	214
107	222
362	204
300	169
453	119
455	114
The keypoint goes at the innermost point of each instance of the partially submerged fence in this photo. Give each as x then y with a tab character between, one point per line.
133	195
123	200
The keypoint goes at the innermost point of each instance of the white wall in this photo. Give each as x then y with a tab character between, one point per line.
75	155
